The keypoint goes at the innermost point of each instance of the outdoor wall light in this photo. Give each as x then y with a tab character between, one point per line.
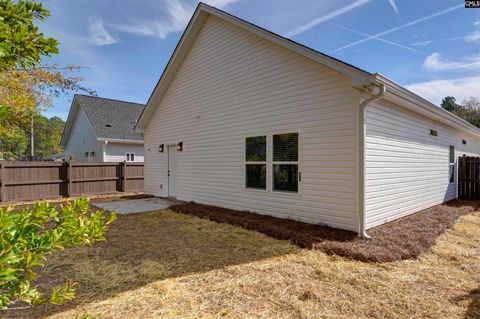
161	148
92	153
180	146
464	142
433	132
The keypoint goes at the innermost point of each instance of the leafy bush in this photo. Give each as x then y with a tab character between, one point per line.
26	239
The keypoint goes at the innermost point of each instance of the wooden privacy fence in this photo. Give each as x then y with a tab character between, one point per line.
21	181
468	177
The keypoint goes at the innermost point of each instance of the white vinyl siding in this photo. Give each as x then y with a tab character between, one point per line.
115	152
407	169
82	140
233	84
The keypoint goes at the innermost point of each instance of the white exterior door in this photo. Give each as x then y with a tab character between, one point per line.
171	172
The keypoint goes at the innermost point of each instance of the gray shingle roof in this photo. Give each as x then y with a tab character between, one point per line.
111	118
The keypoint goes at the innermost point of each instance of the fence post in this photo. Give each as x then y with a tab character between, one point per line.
3	179
476	177
462	160
70	177
124	188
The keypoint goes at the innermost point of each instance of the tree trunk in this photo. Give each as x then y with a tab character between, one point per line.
32	149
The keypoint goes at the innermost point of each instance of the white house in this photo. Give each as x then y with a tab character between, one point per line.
101	130
246	119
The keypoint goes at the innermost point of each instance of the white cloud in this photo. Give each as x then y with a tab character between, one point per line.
427	42
435	62
178	13
422	43
219	3
394	6
98	34
475	35
307	26
436	90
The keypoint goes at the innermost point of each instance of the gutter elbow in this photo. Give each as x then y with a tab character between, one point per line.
364	235
381	92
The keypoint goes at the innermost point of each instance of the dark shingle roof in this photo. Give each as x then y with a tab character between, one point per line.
111	118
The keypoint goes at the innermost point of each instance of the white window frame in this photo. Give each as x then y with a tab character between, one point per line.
128	156
89	156
451	165
245	163
269	164
272	180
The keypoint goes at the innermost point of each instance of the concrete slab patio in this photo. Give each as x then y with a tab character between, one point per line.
133	206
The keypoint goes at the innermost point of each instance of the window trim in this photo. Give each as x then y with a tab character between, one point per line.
297	162
128	158
245	163
451	165
269	164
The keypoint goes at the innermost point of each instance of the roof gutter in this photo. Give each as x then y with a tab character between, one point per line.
117	140
362	231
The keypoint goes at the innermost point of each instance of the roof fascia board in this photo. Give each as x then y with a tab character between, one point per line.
118	140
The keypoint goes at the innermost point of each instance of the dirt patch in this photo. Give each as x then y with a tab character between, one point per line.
405	238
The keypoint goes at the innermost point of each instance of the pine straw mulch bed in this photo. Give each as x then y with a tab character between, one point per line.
405	238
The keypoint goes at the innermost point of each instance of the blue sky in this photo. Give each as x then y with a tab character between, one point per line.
430	46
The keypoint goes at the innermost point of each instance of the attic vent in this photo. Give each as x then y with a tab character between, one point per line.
108	125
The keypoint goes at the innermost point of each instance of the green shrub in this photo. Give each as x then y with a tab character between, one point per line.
26	239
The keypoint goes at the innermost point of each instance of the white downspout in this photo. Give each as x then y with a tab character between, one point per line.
104	150
362	218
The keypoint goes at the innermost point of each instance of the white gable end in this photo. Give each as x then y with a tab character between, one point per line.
233	84
82	140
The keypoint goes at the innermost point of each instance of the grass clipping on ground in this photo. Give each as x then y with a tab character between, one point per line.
169	265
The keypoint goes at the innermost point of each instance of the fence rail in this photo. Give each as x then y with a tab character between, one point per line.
468	177
20	181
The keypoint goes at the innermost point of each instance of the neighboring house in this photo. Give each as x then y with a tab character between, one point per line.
267	125
101	130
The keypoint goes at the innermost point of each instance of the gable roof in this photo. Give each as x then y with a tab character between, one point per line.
203	11
360	78
110	119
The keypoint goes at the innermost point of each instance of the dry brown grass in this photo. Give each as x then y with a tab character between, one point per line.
169	265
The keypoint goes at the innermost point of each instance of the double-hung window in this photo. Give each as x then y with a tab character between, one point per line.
130	157
256	162
285	162
451	161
